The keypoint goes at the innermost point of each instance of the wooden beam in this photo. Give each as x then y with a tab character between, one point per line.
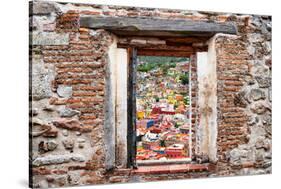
156	27
185	40
147	52
158	47
131	133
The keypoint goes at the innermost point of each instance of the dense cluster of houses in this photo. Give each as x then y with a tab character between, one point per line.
162	114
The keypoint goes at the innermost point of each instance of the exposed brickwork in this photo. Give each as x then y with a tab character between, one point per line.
232	71
68	22
241	60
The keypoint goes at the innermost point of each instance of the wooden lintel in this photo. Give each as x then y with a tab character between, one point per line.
145	52
185	40
158	47
125	26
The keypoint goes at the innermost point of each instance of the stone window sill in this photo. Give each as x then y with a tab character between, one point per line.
165	169
163	162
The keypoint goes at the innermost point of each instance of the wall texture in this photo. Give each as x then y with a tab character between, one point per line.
69	75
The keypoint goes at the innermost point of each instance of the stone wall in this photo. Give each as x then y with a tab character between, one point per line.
69	65
194	106
244	93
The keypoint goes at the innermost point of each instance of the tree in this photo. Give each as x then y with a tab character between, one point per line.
184	79
162	143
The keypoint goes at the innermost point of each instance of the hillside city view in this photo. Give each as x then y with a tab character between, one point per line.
162	100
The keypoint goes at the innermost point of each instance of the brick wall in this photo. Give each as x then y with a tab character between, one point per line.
68	75
232	69
244	117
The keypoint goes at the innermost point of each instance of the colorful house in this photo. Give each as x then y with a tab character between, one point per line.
140	114
175	151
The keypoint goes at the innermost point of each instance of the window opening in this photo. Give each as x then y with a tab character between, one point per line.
163	127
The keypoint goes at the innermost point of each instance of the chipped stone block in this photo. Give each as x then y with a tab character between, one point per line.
259	143
270	94
57	159
68	112
49	27
65	132
238	156
81	140
42	184
42	147
81	145
253	120
267	119
259	108
78	133
52	145
256	94
39	127
234	155
53	132
256	37
49	108
44	8
49	38
263	82
78	158
37	121
73	178
64	91
268	155
34	111
68	124
47	146
267	164
41	82
259	155
256	133
58	180
251	82
43	23
68	144
268	47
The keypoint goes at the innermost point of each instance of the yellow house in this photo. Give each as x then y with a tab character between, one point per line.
140	114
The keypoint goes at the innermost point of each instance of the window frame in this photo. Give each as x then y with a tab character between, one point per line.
133	52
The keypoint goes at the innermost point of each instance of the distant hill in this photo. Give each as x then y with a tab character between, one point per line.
161	59
147	63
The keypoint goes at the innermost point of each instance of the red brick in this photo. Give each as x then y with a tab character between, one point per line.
88	12
87	117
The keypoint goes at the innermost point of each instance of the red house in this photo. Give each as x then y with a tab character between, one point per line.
175	151
156	110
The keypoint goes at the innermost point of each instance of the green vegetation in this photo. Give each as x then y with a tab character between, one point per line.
162	143
177	125
161	59
157	99
146	67
186	100
184	79
162	62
